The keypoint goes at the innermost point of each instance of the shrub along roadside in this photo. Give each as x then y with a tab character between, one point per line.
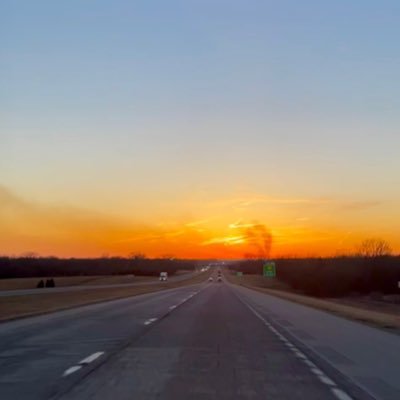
24	267
333	277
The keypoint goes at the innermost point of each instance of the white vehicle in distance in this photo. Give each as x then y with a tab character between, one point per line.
163	276
210	279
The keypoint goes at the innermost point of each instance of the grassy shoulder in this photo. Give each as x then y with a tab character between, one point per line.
63	281
382	319
12	307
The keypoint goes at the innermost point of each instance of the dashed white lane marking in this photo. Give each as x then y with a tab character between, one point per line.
96	355
340	394
326	380
300	355
316	371
310	363
150	321
91	358
192	294
83	363
71	370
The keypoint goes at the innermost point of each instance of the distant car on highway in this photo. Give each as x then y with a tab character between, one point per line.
210	279
219	279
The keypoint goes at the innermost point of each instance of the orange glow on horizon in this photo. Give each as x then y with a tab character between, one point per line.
221	231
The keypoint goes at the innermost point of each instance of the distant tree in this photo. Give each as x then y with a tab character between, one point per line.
374	247
137	256
29	254
251	256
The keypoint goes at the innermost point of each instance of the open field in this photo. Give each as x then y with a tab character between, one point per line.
21	306
387	317
30	283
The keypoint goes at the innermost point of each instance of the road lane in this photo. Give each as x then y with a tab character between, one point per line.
368	356
213	347
208	341
35	352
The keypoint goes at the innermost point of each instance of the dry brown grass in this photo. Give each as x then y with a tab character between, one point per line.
62	281
268	286
12	307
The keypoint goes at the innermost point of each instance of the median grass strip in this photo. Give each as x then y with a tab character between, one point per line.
62	281
13	307
374	318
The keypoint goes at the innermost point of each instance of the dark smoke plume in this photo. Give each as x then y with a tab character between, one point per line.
258	236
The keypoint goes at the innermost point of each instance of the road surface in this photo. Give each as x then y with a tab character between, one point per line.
206	341
74	288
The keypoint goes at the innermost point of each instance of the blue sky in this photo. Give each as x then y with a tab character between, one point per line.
112	105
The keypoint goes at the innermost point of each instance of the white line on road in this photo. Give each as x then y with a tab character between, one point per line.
192	294
300	355
326	380
83	363
288	344
316	371
150	321
340	394
309	363
71	370
91	358
98	354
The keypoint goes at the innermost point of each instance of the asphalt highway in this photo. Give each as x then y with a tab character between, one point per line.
207	341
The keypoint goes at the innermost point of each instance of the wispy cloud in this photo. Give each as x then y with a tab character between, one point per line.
48	228
197	223
251	200
227	240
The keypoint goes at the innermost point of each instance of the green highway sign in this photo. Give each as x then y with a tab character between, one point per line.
239	273
269	269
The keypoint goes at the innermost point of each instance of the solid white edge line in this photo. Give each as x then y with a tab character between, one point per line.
71	370
91	358
340	394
